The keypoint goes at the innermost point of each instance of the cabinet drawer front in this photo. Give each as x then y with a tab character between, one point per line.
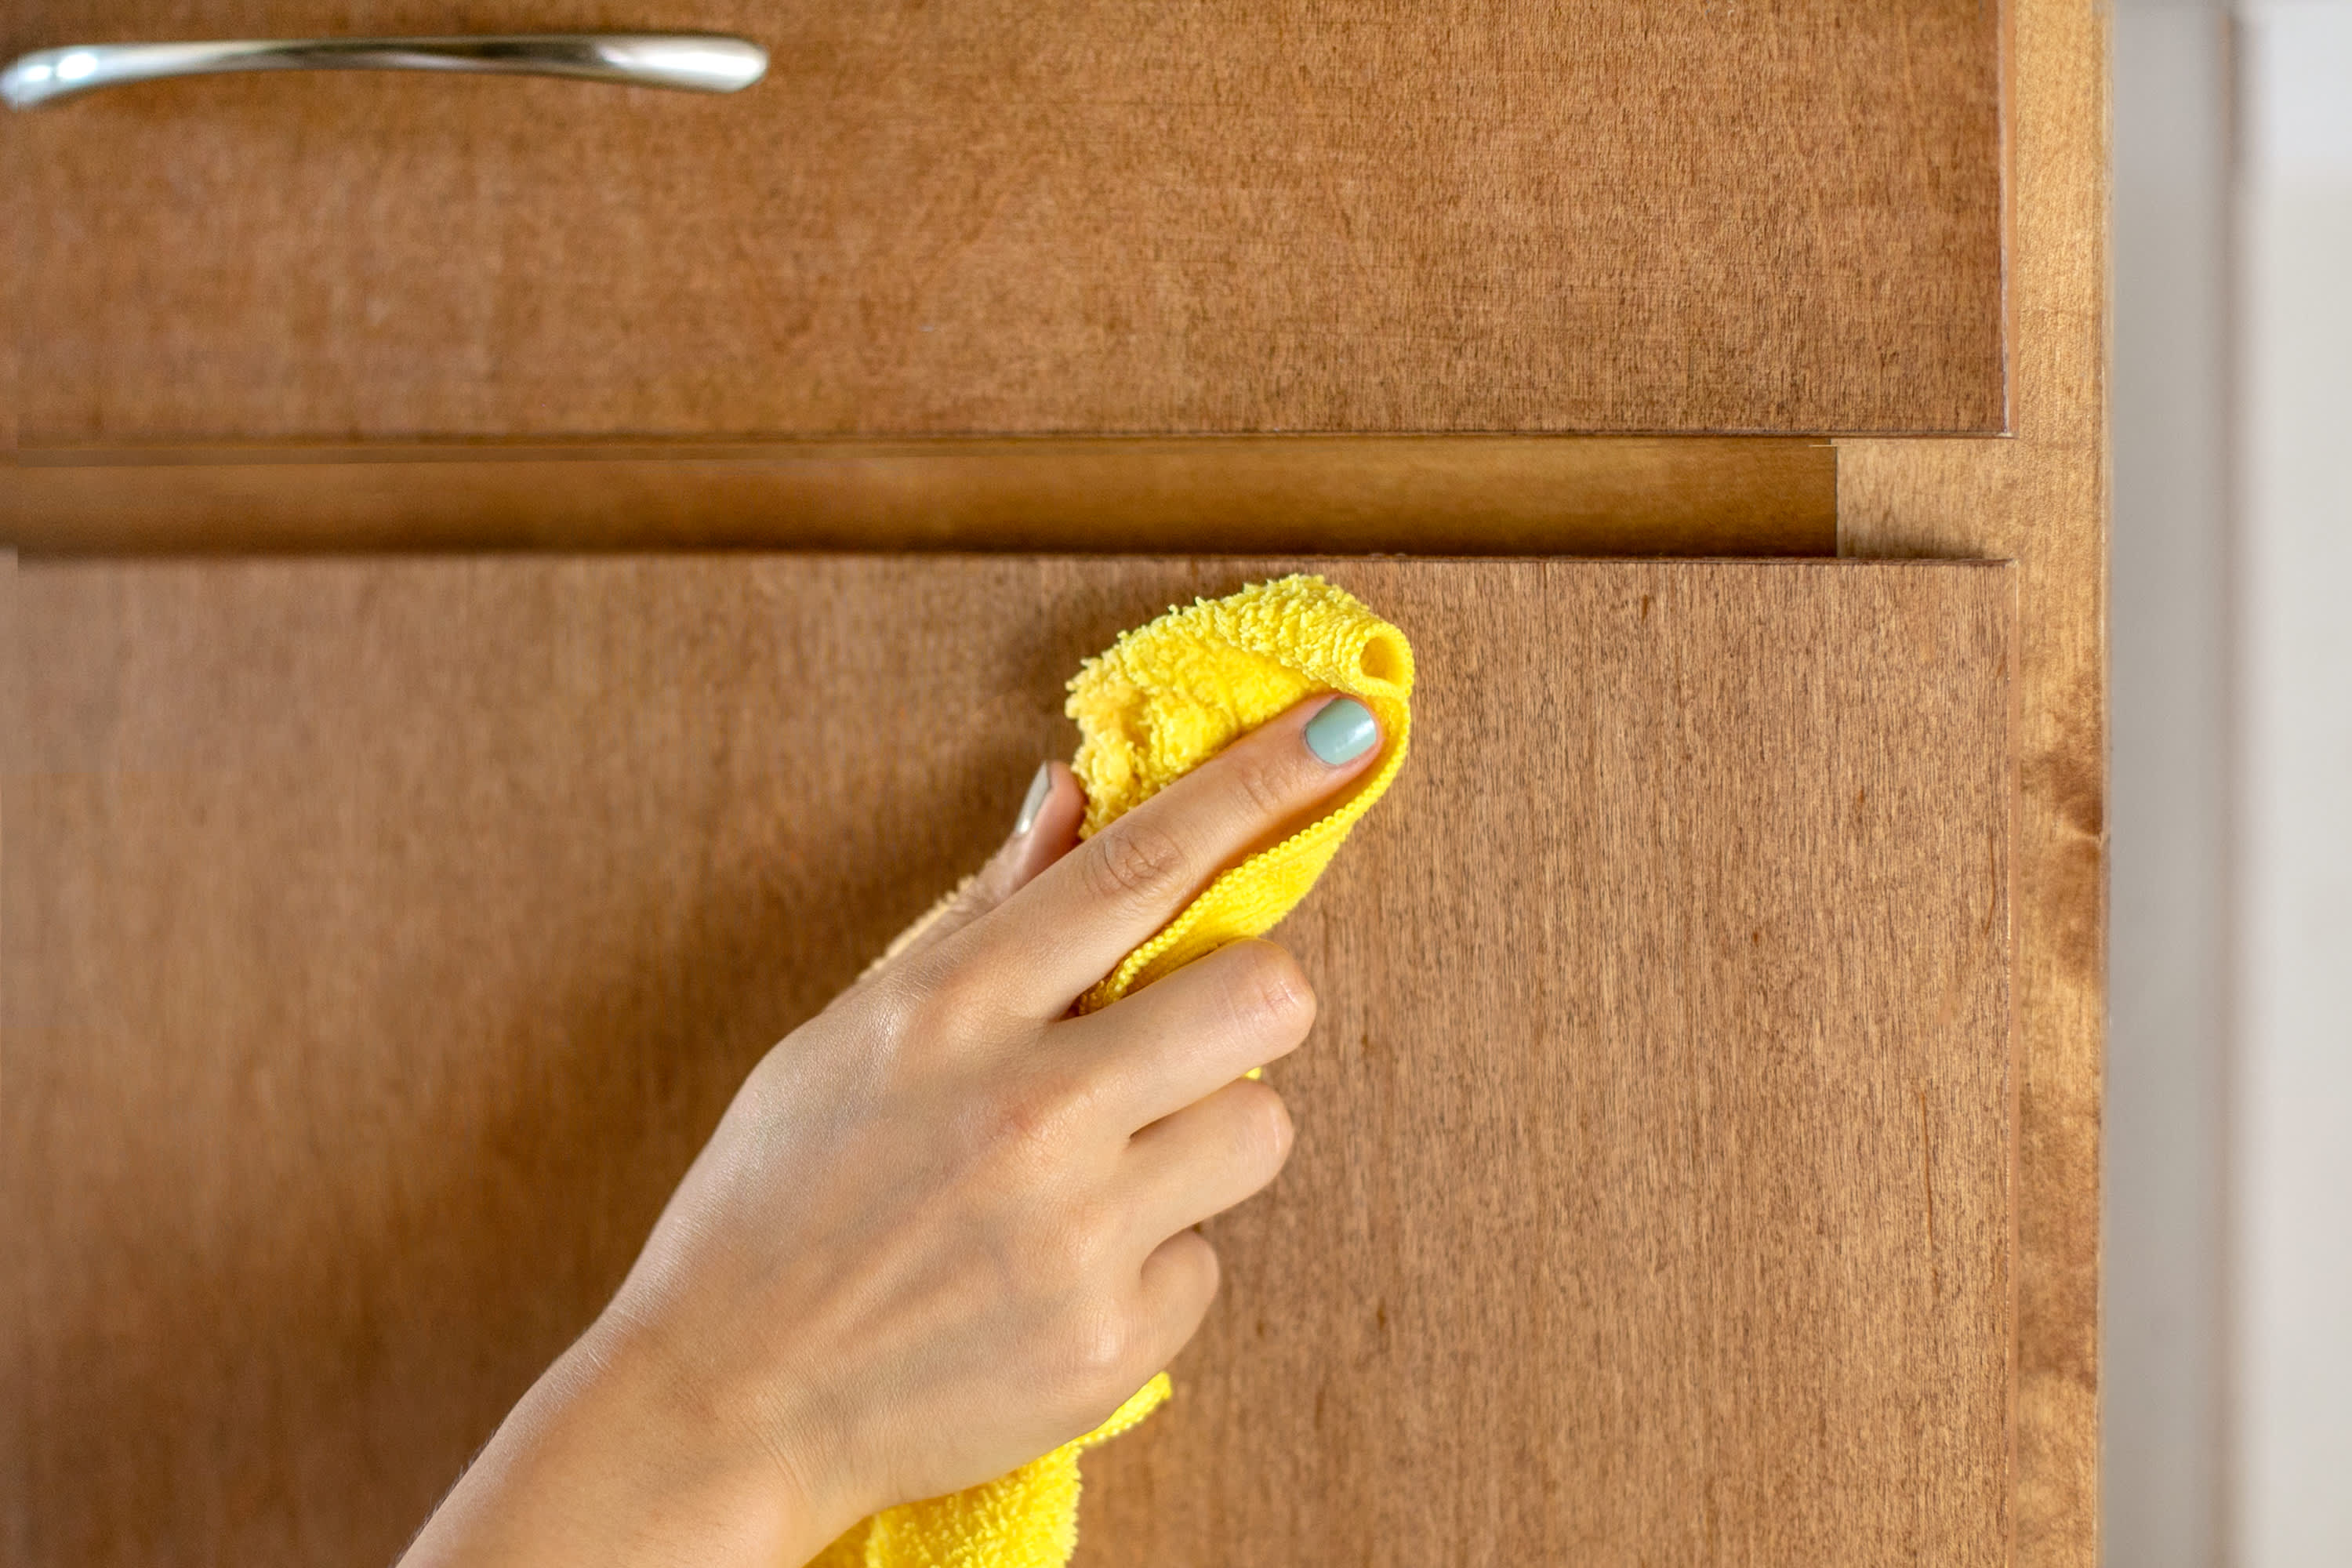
1048	215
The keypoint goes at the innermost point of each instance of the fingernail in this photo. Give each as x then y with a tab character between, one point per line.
1343	732
1039	788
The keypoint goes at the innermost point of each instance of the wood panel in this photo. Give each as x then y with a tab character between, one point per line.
1042	216
2042	497
1471	495
383	937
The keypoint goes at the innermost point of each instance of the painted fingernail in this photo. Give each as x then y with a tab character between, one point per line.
1039	788
1343	732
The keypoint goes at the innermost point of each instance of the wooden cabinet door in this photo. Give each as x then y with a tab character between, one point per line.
1028	217
382	938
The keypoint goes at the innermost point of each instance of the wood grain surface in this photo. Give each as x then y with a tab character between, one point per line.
1042	216
1466	495
381	938
2043	499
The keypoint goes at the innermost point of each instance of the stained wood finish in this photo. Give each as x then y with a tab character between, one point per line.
1475	495
1026	216
2043	499
383	937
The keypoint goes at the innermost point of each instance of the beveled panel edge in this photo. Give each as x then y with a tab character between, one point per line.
1449	495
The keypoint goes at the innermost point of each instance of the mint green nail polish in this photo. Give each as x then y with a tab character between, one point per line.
1039	788
1343	732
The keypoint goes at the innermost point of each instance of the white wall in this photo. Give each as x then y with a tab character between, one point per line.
2162	1464
2228	1304
2290	1473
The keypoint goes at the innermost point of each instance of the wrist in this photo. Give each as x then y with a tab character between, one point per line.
616	1456
730	1472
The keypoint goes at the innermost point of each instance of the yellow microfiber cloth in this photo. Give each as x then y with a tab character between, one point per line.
1170	695
1163	700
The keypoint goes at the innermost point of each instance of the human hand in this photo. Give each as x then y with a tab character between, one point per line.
944	1227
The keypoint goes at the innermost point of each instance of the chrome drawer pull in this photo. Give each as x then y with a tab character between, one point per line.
695	62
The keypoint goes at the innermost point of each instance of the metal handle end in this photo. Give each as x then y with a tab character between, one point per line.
690	62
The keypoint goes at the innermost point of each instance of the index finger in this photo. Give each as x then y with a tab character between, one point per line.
1069	927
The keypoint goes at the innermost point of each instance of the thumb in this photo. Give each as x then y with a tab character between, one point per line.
1046	829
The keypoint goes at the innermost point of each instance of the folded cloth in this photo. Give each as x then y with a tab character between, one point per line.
1026	1519
1161	702
1170	695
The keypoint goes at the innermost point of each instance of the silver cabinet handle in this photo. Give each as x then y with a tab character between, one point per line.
697	62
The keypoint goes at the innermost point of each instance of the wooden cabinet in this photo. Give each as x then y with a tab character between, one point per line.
500	854
993	217
366	310
384	937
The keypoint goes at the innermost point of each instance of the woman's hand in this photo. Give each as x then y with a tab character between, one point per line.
944	1227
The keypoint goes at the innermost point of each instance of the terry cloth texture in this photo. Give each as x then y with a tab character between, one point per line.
1167	697
1026	1519
1162	700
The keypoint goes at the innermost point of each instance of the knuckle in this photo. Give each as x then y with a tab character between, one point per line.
955	998
1102	1345
1264	783
1212	1268
1077	1246
1137	862
1263	1127
1207	1270
1031	1123
893	1009
1272	996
